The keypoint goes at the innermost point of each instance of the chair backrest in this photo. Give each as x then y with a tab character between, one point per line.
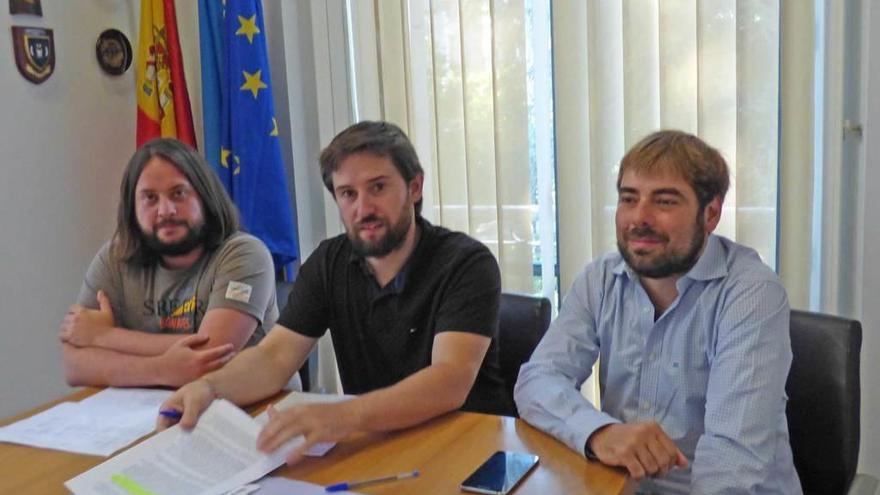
524	320
824	396
282	294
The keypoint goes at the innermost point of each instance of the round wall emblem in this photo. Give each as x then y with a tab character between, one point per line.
114	52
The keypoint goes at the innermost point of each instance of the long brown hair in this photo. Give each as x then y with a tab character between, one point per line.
221	215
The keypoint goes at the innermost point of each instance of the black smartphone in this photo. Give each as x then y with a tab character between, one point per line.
500	473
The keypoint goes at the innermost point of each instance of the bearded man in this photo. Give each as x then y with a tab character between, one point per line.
412	310
691	333
178	289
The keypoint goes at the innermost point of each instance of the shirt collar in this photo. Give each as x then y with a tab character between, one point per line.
397	284
712	263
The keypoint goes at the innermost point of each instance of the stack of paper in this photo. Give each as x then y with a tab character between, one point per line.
98	425
216	456
295	398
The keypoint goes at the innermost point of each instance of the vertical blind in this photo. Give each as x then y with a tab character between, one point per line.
455	76
460	78
625	69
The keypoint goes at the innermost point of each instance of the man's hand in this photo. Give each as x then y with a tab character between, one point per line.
191	400
316	422
83	327
182	363
644	449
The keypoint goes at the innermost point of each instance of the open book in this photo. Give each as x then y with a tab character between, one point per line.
216	456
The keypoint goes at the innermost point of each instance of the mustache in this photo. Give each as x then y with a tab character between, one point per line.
368	219
171	222
645	233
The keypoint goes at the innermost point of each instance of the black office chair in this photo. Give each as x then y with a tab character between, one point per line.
282	292
823	406
524	320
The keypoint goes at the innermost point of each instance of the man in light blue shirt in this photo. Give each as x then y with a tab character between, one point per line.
691	332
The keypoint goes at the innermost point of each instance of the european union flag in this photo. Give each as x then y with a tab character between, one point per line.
241	133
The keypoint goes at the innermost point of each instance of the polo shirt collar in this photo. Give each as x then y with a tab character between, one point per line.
397	284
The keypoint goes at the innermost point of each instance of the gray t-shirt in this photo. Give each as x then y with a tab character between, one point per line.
239	274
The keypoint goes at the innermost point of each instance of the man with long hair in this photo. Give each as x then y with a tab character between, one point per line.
178	290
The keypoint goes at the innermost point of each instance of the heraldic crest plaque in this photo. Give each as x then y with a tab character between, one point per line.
114	52
34	52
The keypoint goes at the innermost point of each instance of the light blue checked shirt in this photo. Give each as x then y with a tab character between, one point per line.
710	371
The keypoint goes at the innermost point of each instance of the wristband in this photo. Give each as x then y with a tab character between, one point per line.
588	452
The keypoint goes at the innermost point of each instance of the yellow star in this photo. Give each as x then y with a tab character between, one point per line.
274	127
248	27
224	156
224	160
253	83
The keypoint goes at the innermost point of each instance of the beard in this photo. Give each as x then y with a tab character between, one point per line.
667	263
393	238
194	237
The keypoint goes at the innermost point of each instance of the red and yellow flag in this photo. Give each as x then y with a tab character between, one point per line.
162	100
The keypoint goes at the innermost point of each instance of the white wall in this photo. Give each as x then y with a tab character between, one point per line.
869	459
65	143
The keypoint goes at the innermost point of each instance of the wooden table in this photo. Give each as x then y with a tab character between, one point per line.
445	450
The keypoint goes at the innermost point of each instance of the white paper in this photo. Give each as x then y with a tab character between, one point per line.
294	398
216	456
272	485
98	425
244	490
148	399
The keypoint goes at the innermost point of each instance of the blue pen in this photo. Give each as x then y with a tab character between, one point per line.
347	485
171	414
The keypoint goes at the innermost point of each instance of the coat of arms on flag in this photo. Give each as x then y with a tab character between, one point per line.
34	52
162	99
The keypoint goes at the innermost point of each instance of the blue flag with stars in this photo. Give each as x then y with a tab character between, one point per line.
241	132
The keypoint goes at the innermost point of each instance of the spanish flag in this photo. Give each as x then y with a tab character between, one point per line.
162	100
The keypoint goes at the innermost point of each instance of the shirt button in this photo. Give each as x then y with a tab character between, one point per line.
646	310
412	330
646	405
653	356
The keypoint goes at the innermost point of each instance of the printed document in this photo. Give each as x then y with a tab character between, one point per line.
294	398
272	485
216	456
98	425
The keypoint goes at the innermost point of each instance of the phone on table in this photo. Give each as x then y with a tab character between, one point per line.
500	473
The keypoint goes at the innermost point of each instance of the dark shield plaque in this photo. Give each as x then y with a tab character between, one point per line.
34	52
32	7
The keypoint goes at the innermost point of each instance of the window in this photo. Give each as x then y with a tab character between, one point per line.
473	84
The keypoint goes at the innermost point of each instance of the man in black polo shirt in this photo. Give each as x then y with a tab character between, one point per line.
412	309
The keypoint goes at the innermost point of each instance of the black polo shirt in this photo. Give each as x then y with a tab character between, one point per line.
384	334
